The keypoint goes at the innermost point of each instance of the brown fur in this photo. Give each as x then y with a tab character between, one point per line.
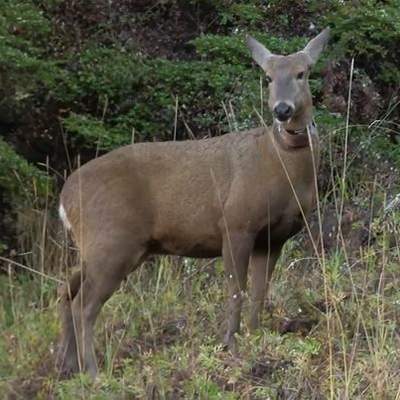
228	196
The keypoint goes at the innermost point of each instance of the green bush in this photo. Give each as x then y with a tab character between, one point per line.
21	182
241	13
125	91
94	132
100	71
369	31
233	50
24	69
24	31
24	21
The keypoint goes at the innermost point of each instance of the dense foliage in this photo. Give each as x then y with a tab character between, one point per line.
104	87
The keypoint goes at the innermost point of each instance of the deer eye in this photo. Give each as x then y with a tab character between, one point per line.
300	75
268	79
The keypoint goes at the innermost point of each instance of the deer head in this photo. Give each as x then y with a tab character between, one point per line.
287	76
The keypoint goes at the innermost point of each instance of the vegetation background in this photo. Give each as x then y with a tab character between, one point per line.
79	78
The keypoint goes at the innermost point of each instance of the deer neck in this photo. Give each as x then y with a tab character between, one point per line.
295	133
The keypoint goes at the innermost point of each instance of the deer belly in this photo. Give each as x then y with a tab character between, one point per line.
203	246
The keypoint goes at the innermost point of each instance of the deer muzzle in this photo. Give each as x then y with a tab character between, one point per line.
283	111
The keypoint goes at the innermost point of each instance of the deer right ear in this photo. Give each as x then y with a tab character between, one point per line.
316	45
258	51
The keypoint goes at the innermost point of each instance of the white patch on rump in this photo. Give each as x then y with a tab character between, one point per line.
64	218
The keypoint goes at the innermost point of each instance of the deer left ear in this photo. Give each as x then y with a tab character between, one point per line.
316	45
258	51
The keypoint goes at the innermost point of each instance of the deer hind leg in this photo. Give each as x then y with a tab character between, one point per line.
262	266
67	360
106	267
236	252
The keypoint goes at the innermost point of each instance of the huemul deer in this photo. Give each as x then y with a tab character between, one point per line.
241	195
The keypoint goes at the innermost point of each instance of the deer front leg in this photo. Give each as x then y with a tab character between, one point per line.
262	266
236	253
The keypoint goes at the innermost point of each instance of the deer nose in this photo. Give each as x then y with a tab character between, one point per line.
283	111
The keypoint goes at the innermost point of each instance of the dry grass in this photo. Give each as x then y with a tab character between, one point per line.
327	333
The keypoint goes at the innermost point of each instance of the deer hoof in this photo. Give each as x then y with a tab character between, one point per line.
230	343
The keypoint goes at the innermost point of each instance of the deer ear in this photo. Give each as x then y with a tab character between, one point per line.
259	53
316	45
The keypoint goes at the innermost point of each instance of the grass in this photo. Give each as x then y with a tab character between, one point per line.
330	335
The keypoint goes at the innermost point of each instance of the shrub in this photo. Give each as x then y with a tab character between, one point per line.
233	50
21	182
369	31
123	91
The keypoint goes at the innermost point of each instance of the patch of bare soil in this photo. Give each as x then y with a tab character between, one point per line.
169	332
366	101
302	325
25	389
265	367
158	29
351	228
